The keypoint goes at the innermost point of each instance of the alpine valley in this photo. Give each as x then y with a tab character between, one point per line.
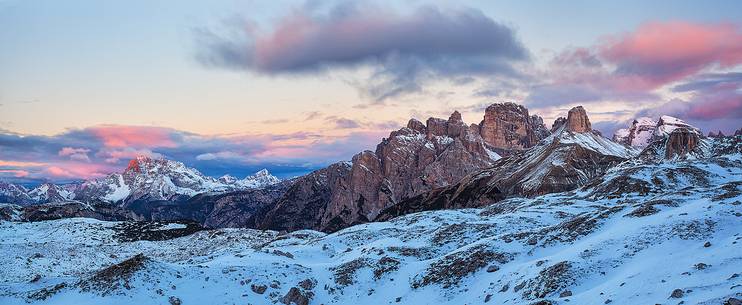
506	211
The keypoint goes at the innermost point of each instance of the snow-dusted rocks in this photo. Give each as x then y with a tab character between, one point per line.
643	131
14	193
260	179
562	162
49	192
640	134
44	193
680	142
666	124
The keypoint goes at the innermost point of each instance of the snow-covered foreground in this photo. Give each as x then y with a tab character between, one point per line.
643	234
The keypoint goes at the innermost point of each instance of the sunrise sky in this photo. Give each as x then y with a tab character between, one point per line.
237	86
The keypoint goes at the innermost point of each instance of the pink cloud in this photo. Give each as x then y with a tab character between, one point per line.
115	155
716	106
78	154
76	170
133	136
663	52
58	172
20	163
15	172
632	66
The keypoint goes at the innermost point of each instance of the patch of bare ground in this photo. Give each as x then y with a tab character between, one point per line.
451	269
114	277
549	280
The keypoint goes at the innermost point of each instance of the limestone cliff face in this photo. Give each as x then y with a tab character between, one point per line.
681	142
577	120
508	127
411	161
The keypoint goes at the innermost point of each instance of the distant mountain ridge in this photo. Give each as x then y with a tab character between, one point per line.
144	178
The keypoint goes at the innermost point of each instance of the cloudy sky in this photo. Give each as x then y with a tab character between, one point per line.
236	86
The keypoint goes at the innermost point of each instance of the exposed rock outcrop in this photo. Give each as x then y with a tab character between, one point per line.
508	127
666	124
577	120
680	142
559	122
564	162
674	139
411	161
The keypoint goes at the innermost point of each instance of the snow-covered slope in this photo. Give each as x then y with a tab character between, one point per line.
646	233
666	124
643	131
260	179
639	134
49	192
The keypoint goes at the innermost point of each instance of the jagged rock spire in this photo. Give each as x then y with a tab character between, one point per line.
577	120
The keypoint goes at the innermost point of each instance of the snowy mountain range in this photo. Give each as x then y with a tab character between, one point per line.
647	227
433	216
145	178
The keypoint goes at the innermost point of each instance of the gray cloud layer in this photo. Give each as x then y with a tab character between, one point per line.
406	50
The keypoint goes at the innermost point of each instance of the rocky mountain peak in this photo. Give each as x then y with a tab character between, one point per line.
140	163
260	178
577	120
666	124
639	134
262	173
229	179
558	123
563	162
13	193
508	126
717	134
680	142
48	192
455	118
416	125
